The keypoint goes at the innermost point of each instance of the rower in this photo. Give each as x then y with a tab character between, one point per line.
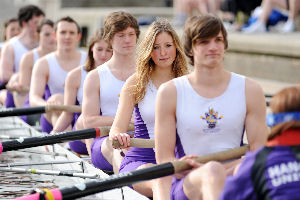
99	51
160	59
47	44
29	18
205	111
49	73
103	85
11	29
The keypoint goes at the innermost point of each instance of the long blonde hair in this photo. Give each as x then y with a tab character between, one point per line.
145	64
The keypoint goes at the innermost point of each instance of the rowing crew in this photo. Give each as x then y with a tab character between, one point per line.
196	113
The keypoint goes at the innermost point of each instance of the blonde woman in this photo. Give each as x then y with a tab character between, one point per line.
160	59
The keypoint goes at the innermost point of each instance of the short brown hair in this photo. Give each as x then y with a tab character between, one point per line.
44	22
201	27
119	21
70	20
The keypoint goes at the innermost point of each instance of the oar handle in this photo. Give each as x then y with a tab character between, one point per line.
22	90
180	165
136	142
67	108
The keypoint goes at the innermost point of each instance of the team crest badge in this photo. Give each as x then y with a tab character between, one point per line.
211	117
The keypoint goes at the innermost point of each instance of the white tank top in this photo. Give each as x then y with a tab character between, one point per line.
19	51
110	88
57	75
147	108
210	125
36	55
80	89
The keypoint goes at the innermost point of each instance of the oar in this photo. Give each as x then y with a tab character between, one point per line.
7	112
136	142
22	90
39	163
129	178
23	143
51	172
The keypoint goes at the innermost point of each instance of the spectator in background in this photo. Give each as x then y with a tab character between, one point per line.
293	6
186	8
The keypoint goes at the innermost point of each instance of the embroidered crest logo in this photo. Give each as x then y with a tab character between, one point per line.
211	118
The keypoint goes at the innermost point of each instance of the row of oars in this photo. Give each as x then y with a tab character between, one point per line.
112	182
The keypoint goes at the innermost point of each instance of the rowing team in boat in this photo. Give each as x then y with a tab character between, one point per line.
188	114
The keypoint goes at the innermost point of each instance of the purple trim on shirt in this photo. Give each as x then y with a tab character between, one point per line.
146	155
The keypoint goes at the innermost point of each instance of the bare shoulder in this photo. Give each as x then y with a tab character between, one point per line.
75	74
167	88
27	59
167	94
7	49
253	88
74	77
92	79
42	65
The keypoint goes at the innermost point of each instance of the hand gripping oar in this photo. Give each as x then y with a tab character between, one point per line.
136	142
129	178
6	112
23	143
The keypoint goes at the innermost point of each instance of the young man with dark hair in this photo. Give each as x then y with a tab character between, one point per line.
49	73
29	18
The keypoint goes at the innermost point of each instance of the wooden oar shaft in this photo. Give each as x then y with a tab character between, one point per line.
22	90
72	109
51	172
129	178
218	156
136	142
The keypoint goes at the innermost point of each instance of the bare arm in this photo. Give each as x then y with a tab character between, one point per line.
124	113
91	103
165	133
7	63
72	85
255	123
26	66
40	74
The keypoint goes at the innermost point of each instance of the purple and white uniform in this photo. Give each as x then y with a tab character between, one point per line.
207	125
144	128
270	173
36	56
56	83
110	88
78	146
19	51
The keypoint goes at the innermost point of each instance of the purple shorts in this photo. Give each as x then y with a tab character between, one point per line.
97	157
45	125
78	146
9	101
177	192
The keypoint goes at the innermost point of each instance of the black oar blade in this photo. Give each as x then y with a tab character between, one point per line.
117	181
48	139
7	112
112	182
